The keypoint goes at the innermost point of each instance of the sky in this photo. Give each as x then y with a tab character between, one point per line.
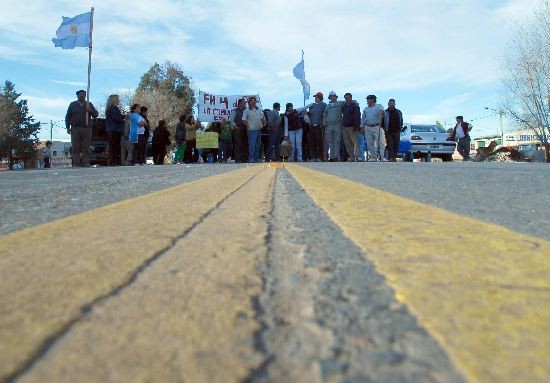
438	59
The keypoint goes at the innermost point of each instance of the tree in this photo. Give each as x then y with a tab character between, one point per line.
527	76
17	128
166	91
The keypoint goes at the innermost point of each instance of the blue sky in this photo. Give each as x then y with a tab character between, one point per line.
436	58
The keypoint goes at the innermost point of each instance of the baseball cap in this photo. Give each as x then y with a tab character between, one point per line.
319	94
332	93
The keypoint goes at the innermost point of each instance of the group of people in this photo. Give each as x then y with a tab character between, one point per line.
317	131
333	131
128	141
127	137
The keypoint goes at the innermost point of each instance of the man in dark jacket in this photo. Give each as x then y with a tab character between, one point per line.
240	142
79	125
393	121
351	119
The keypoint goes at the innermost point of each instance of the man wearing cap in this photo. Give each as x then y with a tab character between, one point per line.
79	126
461	133
315	134
332	120
371	121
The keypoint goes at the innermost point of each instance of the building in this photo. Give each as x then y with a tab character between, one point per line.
61	154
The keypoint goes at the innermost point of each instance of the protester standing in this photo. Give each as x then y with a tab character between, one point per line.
126	147
142	144
393	122
315	136
274	132
161	139
48	155
253	118
240	149
225	141
180	140
371	121
332	121
191	152
114	125
137	131
351	119
79	125
461	133
293	131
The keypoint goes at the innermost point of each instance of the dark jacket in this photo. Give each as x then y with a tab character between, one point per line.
180	133
294	122
387	121
161	136
114	120
351	115
76	115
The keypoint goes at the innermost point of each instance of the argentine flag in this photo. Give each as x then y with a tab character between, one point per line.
299	72
74	32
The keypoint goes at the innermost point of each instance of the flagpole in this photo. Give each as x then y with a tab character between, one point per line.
304	76
89	63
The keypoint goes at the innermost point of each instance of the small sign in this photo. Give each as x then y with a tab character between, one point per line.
207	140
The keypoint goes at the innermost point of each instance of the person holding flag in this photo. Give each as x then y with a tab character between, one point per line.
79	126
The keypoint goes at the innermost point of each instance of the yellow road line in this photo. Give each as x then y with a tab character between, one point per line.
482	290
190	317
49	272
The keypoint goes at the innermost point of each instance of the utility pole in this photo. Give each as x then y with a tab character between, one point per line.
501	113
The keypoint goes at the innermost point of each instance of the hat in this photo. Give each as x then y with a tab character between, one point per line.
332	93
80	91
319	94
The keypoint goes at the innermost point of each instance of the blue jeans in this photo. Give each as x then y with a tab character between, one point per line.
296	141
273	151
254	143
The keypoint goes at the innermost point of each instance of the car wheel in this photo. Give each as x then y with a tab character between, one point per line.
447	158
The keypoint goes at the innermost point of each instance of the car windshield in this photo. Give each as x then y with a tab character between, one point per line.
427	129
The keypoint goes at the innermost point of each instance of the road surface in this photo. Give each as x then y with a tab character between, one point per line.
362	272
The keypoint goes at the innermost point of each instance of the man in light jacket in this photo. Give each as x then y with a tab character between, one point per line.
253	118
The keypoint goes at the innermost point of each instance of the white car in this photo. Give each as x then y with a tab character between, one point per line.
423	141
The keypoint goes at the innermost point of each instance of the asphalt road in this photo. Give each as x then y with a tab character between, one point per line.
515	195
262	274
33	197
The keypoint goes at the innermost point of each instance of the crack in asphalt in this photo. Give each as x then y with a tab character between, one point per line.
259	344
53	339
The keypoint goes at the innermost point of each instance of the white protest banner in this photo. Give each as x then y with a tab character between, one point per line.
215	107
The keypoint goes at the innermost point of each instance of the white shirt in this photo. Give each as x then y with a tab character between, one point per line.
459	131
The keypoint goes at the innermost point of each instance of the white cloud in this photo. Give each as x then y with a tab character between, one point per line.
350	45
71	83
41	103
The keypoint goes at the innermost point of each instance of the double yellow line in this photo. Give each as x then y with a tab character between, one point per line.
482	290
159	287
